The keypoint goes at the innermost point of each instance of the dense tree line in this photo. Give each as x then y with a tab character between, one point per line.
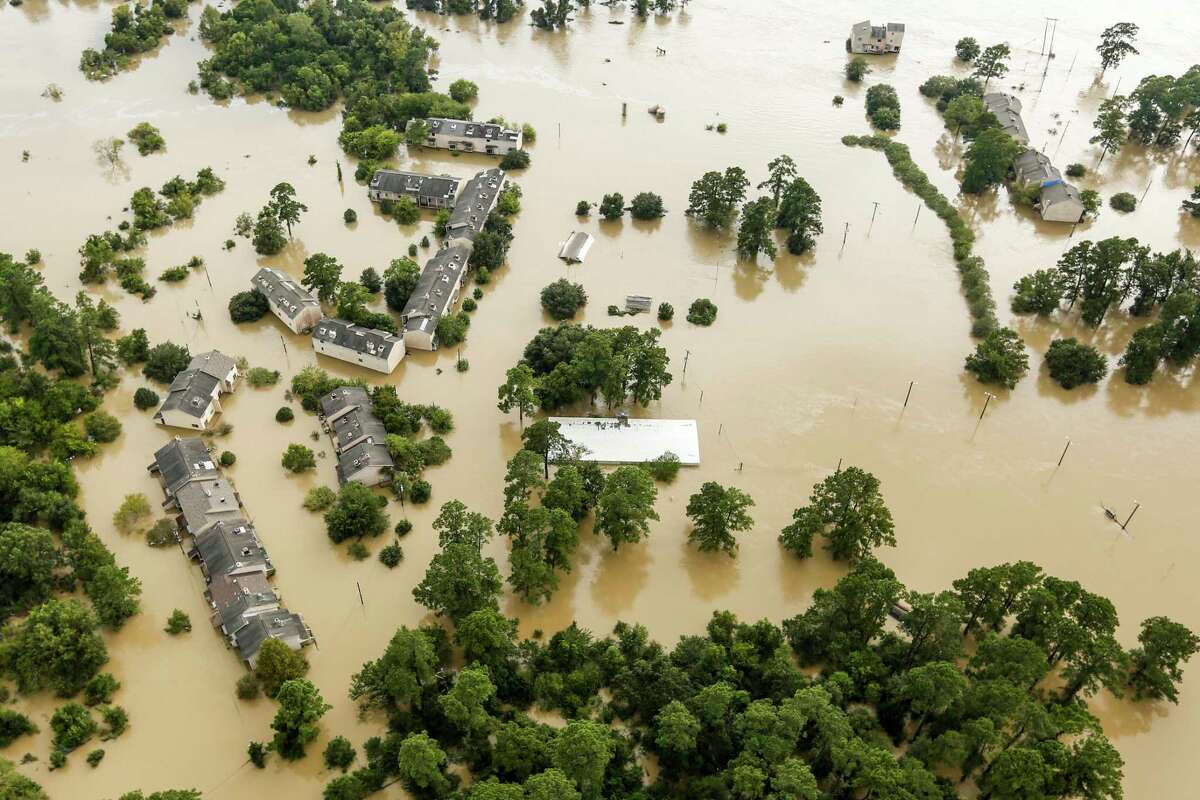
313	55
987	682
1155	114
135	29
498	10
1102	276
568	363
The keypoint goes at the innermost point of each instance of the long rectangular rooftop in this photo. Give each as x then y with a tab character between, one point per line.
610	440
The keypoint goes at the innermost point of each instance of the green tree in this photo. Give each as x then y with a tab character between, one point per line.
553	784
715	196
285	206
676	730
999	358
298	458
463	90
842	621
397	680
465	704
28	558
358	512
459	580
1038	293
1116	44
165	361
929	690
1111	126
300	709
582	751
399	281
1163	647
248	306
992	63
781	171
988	159
1073	363
73	726
456	524
1142	355
55	647
488	637
800	214
322	274
268	233
755	230
626	506
277	664
562	299
990	594
966	49
612	206
717	512
518	391
422	765
645	206
856	69
849	511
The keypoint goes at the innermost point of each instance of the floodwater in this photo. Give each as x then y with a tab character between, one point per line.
808	363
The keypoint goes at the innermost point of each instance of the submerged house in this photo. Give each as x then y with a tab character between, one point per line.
358	436
434	295
575	249
471	137
288	300
192	399
1007	110
1060	202
875	39
427	191
369	347
343	400
235	564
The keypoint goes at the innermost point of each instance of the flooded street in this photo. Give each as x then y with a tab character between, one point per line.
807	364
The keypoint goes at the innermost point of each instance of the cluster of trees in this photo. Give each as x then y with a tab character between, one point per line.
283	209
960	100
987	682
498	10
563	299
135	29
883	107
176	200
791	204
1155	114
1102	276
644	206
565	364
370	56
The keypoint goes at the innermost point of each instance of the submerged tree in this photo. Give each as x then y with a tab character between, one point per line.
848	510
1116	44
717	513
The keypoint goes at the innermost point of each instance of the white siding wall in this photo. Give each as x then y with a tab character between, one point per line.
354	357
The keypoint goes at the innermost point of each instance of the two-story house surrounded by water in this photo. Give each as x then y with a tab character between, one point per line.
193	398
471	137
288	300
427	191
875	39
368	347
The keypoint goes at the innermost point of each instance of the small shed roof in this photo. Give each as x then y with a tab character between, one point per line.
576	247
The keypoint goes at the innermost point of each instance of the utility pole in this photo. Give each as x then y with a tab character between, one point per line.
1125	524
1064	454
1045	30
1147	190
909	394
283	342
360	597
1053	30
845	233
873	210
988	396
686	355
918	216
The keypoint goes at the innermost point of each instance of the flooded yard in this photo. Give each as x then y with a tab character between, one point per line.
808	363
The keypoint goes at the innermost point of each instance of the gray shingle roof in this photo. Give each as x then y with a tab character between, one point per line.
231	545
431	296
278	624
343	397
214	363
183	460
289	296
191	392
368	341
361	457
204	502
1034	167
432	187
235	596
480	131
477	200
356	425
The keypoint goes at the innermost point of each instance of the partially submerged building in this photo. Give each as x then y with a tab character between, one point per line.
368	347
289	301
193	398
1060	202
1007	110
471	137
471	211
621	440
436	292
358	436
427	191
575	249
232	558
875	39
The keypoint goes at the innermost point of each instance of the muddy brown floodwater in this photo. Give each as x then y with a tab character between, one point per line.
808	363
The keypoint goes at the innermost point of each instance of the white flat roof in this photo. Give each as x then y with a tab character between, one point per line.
609	441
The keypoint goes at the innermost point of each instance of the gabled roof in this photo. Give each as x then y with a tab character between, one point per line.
203	502
192	392
214	363
362	456
439	187
229	546
290	297
477	200
278	624
183	460
240	597
1061	192
482	131
355	425
1034	167
431	296
344	397
368	341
